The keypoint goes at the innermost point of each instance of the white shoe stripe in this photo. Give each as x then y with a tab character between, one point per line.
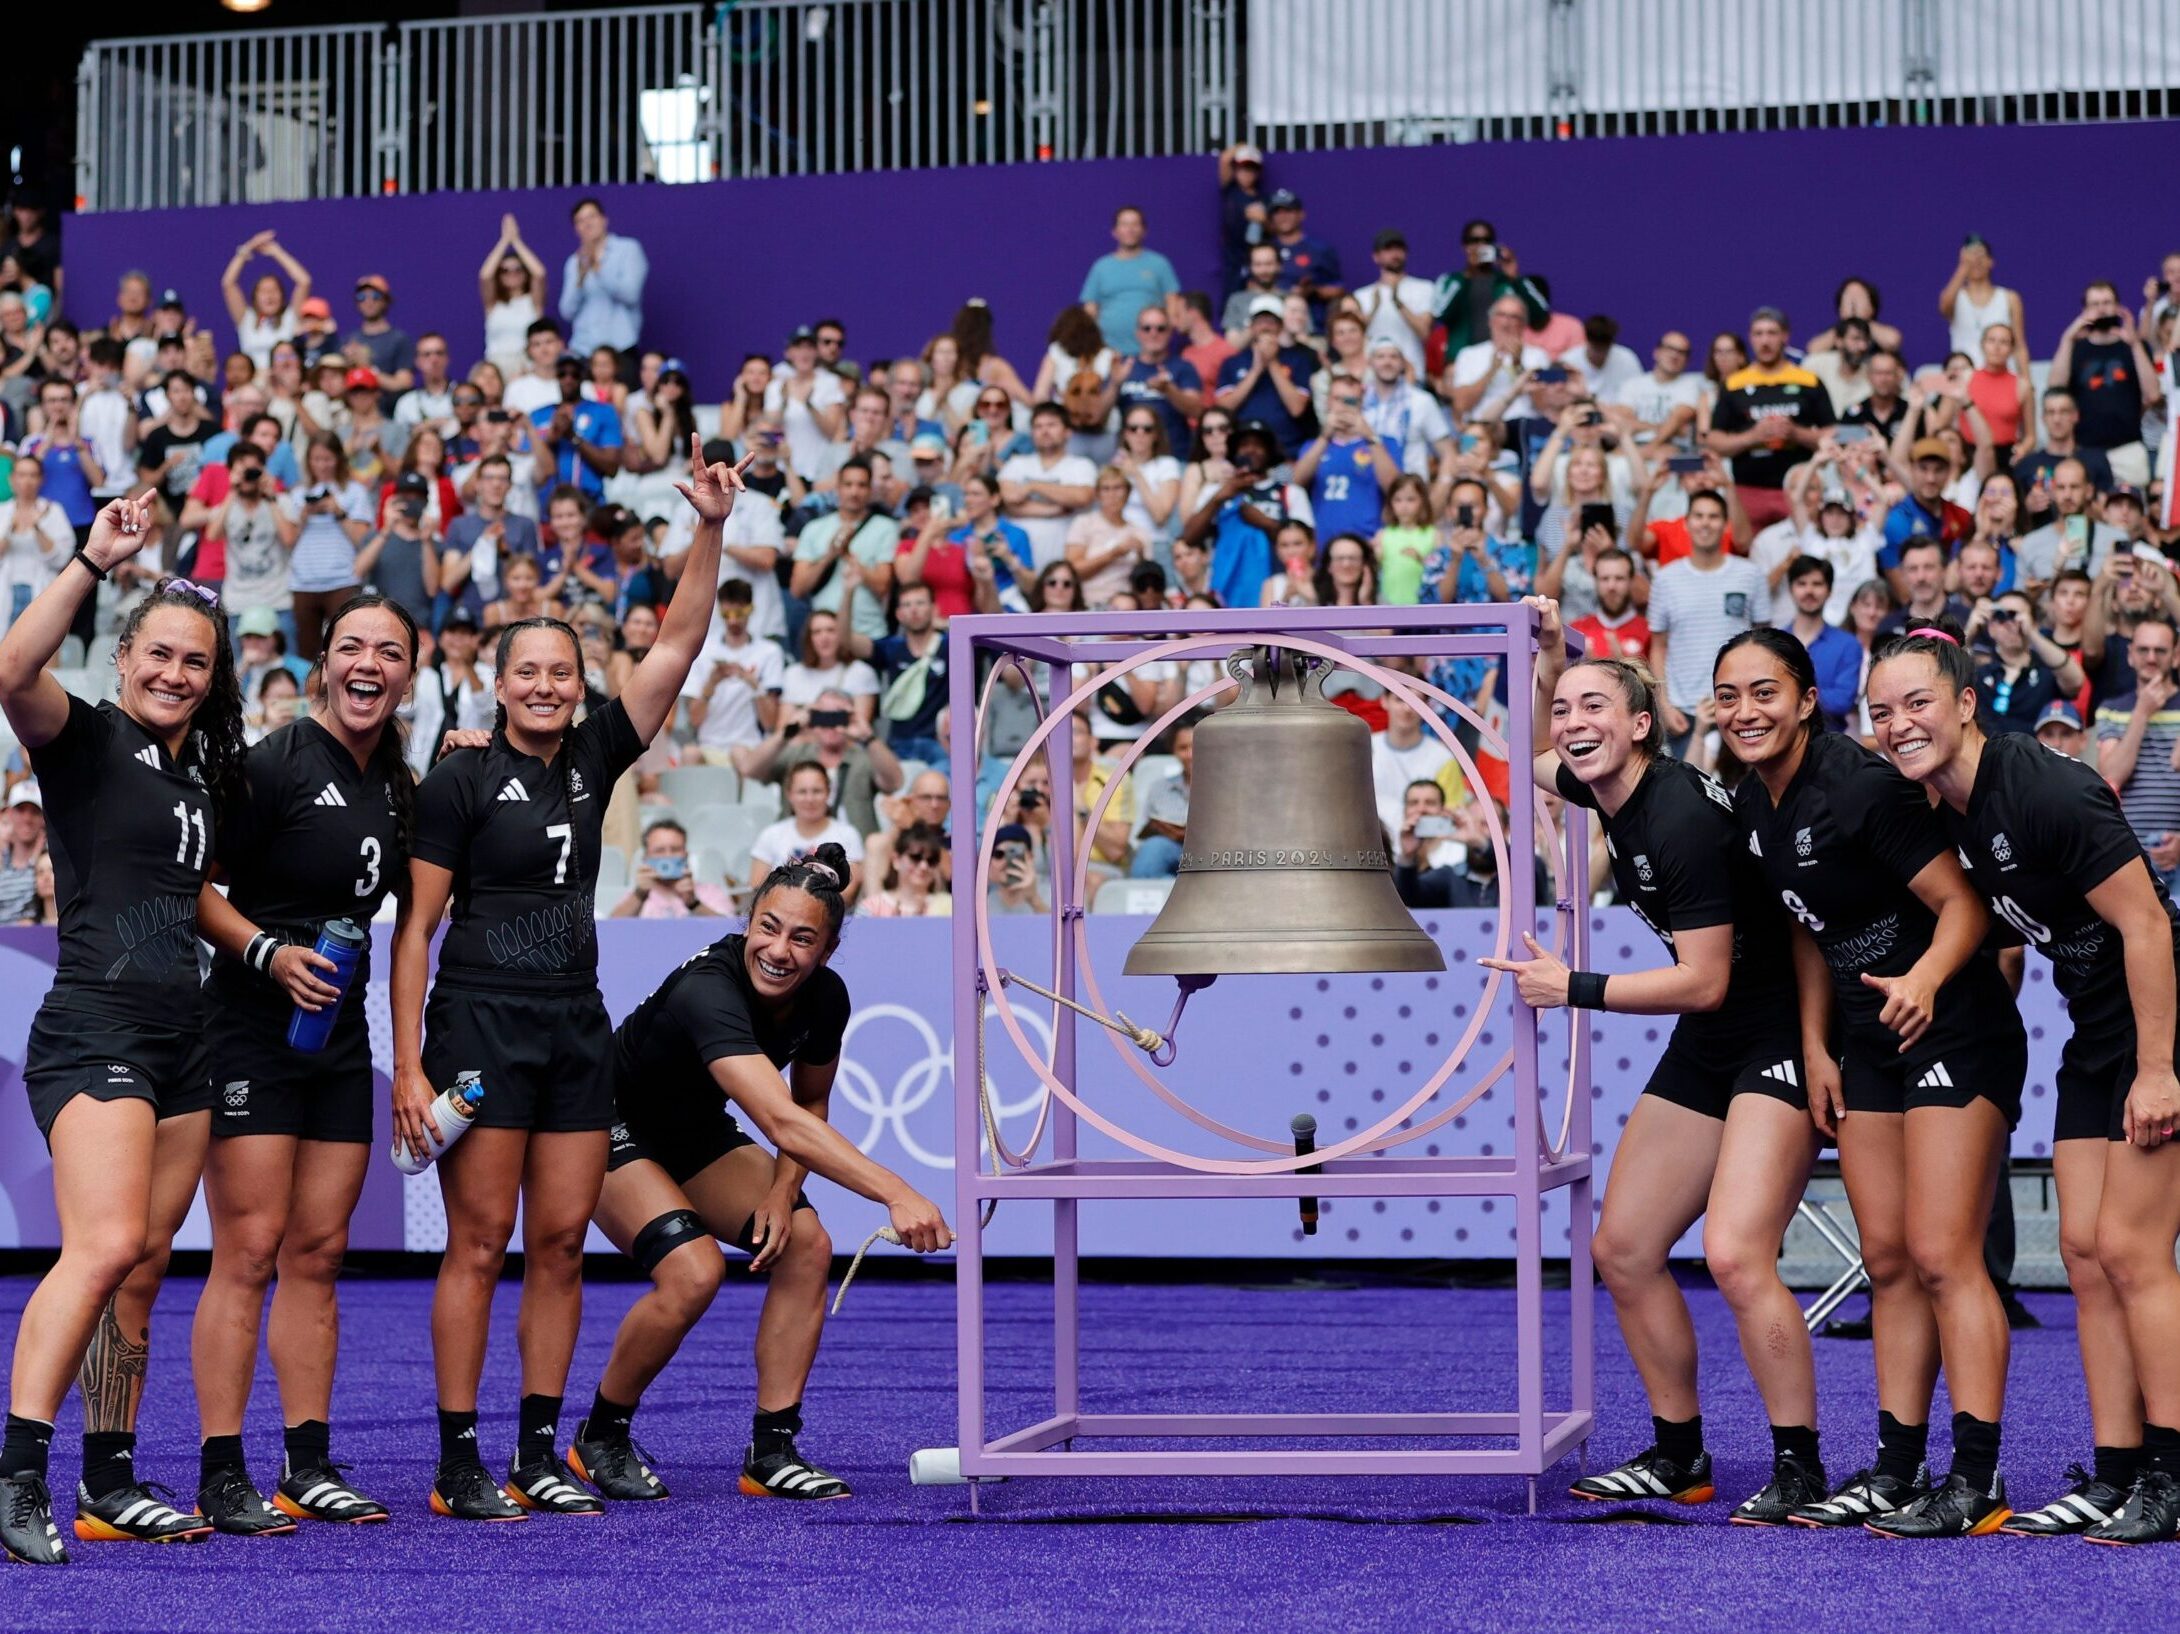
1650	1479
128	1516
318	1492
785	1475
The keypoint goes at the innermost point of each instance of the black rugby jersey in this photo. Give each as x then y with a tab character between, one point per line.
522	839
2040	833
1679	861
706	1012
1839	849
131	835
316	838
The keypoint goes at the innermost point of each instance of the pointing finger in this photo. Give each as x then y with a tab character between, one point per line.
1534	945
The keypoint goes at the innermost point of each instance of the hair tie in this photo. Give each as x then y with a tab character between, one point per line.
1936	635
824	868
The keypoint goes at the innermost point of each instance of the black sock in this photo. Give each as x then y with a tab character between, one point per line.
1900	1447
219	1453
609	1420
540	1423
28	1446
109	1461
309	1444
2161	1449
1682	1442
458	1438
2116	1466
1798	1439
771	1432
1975	1450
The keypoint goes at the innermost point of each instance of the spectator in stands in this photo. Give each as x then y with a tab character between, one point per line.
1191	575
1266	382
578	441
1488	380
2100	359
663	423
1111	846
2072	538
839	743
1165	810
2067	604
515	289
2127	591
1349	470
1666	540
1404	542
1103	546
823	667
665	885
1262	280
2033	473
1844	366
374	443
1697	604
1151	380
2136	737
480	540
1395	307
1015	864
1199	341
745	405
2059	729
1918	584
322	524
72	474
601	287
1407	418
2020	672
1145	458
980	361
1972	301
1660	406
22	847
1489	272
1836	655
808	825
812	403
1607	367
1210	461
172	450
1295	584
1924	512
1617	628
1043	490
1347	573
401	560
1308	264
1402	754
1475	563
317	334
538	385
1126	281
1856	299
907	382
927	802
1882	408
852	545
268	314
1243	215
1769	418
35	542
1429	864
426	457
1076	373
32	238
375	343
911	668
2000	422
868	440
733	691
909	880
431	399
1243	515
244	521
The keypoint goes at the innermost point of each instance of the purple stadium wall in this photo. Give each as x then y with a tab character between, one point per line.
1689	231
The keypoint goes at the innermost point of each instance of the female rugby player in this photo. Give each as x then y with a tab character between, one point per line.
1722	1129
1925	1088
116	1060
510	835
722	1028
2046	844
321	833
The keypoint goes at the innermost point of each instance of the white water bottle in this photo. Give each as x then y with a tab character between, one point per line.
446	1121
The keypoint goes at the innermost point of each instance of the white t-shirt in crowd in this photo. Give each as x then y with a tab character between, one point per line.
34	546
1381	305
526	394
1048	534
102	417
1407	418
782	842
806	439
802	685
1609	378
730	715
1392	770
1699	612
255	337
1156	472
1482	362
755	522
1653	399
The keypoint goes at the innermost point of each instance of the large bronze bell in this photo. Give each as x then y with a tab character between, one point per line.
1284	870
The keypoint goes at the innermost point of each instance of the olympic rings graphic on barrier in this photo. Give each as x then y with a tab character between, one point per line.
917	1082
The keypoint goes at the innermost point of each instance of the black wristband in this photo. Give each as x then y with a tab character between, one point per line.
1585	990
89	566
259	954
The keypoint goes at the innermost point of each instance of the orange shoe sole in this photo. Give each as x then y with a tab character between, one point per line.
1694	1495
92	1530
439	1507
752	1488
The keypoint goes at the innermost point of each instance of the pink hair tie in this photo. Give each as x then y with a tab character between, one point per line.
825	869
1936	635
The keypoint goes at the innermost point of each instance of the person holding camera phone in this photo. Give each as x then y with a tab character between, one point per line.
2101	360
665	885
401	562
1489	272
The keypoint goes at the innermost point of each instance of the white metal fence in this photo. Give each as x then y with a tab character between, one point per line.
785	87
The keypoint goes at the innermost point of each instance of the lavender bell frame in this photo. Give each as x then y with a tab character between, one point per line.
1365	1164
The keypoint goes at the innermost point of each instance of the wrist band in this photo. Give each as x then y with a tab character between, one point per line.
1585	990
259	954
89	566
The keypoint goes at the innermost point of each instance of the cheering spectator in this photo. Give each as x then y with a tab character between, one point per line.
808	825
2000	421
2100	359
1308	264
73	472
857	765
1395	307
1243	216
578	441
1924	512
1617	628
401	561
1844	366
1268	383
2072	538
514	286
1489	272
1660	406
1202	346
1697	604
2137	737
268	315
1921	589
1103	546
601	286
733	691
812	403
35	541
1667	540
1770	417
375	343
322	524
1262	280
911	885
1153	381
1126	281
665	885
1972	301
22	848
1348	470
484	536
870	441
1488	380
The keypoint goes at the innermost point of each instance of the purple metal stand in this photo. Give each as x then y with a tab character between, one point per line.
1537	1165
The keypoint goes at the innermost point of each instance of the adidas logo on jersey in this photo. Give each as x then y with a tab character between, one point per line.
329	796
514	790
1783	1073
149	755
1936	1078
1755	850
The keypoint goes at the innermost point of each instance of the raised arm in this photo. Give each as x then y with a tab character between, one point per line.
34	702
656	682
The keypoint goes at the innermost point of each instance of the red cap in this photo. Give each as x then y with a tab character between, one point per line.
374	281
361	380
316	307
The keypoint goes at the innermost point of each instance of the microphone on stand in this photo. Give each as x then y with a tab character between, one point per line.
1305	1142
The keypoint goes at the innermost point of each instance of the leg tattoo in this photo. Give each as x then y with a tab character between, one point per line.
112	1378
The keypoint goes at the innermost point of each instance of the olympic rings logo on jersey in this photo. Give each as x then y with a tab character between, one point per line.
917	1082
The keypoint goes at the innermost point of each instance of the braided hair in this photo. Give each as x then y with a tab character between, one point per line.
389	758
501	654
216	728
823	874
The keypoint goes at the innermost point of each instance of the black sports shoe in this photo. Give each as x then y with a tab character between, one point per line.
1650	1475
2151	1513
234	1505
319	1494
467	1493
1793	1485
1958	1509
133	1515
787	1474
548	1486
2088	1502
27	1532
619	1469
1866	1496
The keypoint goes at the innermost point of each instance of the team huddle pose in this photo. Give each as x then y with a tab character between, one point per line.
1897	872
164	828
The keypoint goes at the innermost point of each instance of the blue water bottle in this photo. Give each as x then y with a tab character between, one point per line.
343	942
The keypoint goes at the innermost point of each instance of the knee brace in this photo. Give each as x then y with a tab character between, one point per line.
663	1235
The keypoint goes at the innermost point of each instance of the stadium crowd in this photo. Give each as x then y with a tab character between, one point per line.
1307	434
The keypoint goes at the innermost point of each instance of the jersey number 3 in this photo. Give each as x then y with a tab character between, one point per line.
369	883
187	818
